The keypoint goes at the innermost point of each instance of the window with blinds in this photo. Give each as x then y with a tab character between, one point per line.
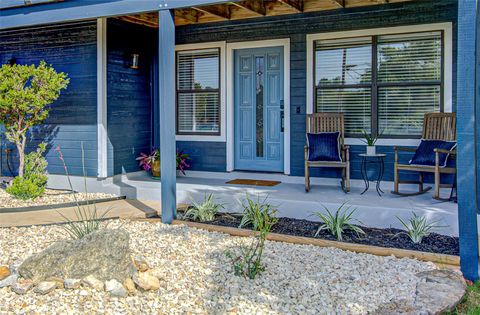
382	84
198	92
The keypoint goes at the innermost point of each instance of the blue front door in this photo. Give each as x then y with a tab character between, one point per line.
259	109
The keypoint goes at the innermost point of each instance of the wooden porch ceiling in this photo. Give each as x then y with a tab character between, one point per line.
250	9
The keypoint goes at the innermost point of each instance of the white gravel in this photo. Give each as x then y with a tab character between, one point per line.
51	197
197	277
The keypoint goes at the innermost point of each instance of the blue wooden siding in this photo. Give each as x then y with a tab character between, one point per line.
70	48
205	156
128	95
296	27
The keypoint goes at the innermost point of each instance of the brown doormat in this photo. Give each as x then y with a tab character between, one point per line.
253	182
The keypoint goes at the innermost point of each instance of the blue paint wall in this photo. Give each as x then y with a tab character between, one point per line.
69	48
129	96
296	27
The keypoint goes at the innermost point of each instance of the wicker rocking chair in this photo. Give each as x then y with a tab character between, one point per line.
328	122
436	126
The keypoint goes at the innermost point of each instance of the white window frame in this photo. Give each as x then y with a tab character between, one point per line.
447	67
210	138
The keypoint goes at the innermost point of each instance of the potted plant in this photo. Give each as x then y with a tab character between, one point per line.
150	162
182	164
370	141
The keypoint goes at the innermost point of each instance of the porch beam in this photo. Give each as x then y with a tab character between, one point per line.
191	15
254	6
339	3
166	88
12	16
222	12
467	84
295	4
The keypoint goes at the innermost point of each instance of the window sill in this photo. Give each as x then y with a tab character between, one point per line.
201	138
385	142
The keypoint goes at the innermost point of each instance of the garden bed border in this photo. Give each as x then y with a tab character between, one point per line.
60	205
441	260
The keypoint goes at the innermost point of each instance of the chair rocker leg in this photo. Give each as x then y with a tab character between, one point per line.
421	188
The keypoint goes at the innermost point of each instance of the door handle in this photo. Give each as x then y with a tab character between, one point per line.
282	115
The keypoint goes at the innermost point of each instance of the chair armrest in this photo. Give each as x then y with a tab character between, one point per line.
404	149
346	152
445	151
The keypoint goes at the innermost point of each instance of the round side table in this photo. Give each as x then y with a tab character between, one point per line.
377	160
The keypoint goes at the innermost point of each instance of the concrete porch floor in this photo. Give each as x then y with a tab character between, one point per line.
291	199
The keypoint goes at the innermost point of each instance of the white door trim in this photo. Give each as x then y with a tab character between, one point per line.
102	135
231	47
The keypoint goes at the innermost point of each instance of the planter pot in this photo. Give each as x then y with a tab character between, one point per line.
156	169
371	150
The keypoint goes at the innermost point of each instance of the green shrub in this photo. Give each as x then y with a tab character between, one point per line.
337	223
248	263
204	211
258	213
34	180
418	227
24	189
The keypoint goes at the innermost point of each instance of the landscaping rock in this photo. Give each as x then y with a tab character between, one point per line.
115	288
4	272
104	255
130	286
58	281
93	282
9	281
146	281
22	286
440	291
72	283
45	287
140	263
401	307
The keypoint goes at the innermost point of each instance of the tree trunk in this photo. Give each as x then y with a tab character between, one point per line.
21	155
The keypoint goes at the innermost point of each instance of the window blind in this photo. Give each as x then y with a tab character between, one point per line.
387	95
198	92
343	80
409	78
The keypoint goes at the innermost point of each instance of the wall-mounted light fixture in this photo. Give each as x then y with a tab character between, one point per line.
134	58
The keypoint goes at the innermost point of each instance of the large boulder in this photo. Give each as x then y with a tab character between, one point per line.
104	255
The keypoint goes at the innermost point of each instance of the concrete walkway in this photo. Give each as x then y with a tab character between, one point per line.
125	209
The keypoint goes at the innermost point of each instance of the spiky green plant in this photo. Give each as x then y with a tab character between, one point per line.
87	217
262	216
257	213
418	227
338	222
204	211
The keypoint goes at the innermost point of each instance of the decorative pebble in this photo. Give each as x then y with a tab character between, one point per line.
4	272
115	288
45	287
93	283
197	278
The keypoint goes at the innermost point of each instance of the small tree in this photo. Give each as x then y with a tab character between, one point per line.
25	95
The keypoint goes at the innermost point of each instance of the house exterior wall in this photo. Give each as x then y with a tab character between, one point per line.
296	29
129	96
69	48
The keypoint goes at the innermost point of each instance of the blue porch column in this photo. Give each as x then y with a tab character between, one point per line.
466	125
166	81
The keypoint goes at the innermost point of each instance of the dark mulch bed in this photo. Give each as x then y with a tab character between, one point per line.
434	243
